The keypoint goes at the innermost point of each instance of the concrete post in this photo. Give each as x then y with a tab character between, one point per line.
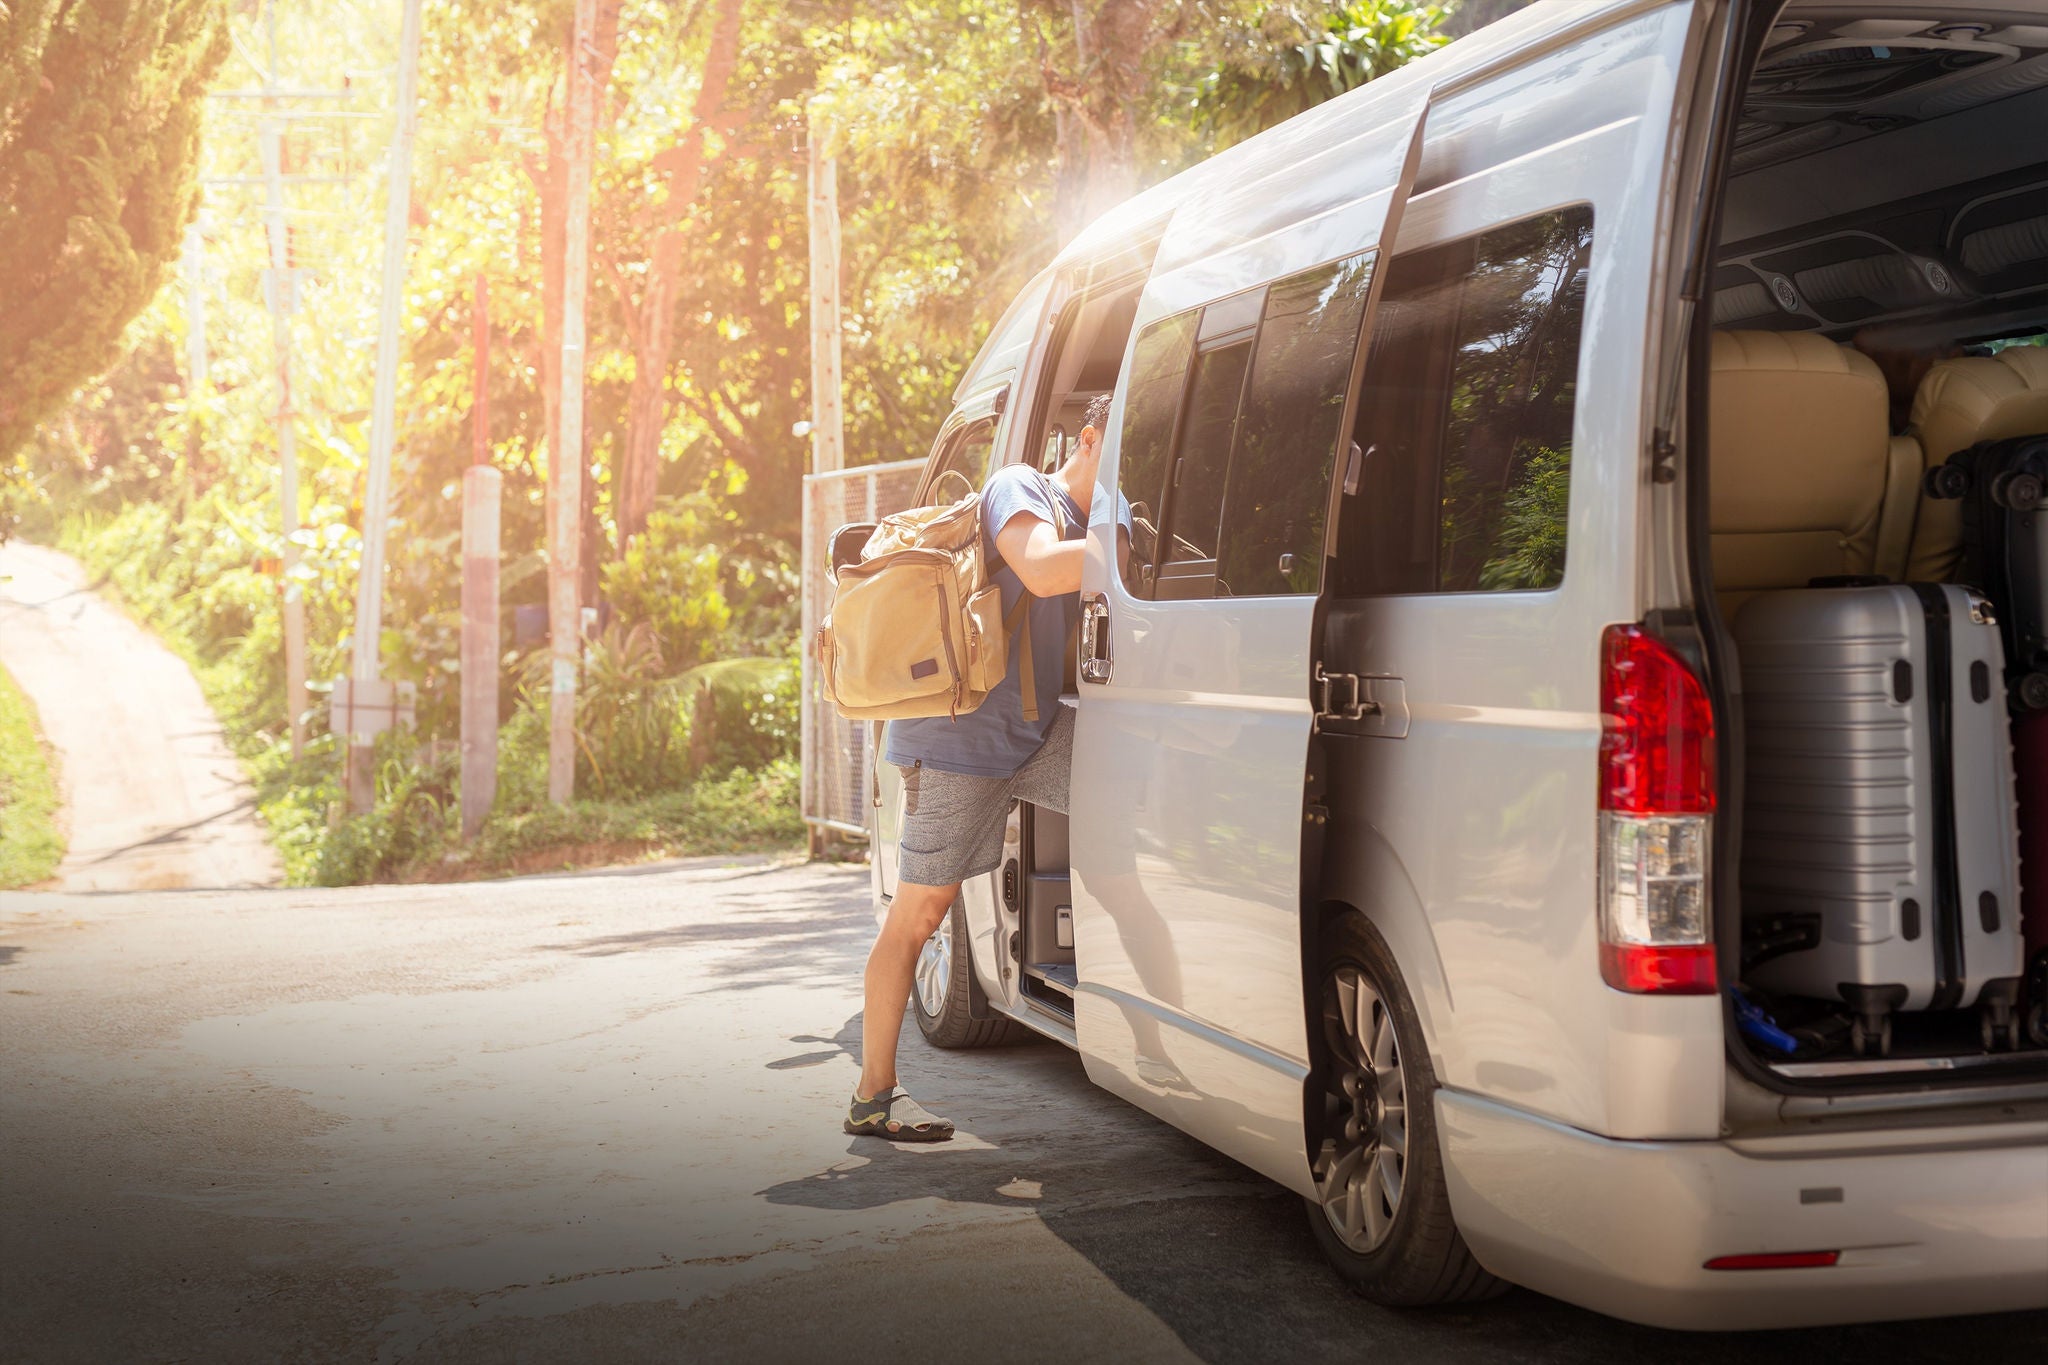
480	489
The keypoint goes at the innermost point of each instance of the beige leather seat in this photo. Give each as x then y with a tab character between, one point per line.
1962	402
1808	481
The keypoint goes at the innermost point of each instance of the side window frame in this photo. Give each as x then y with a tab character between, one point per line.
984	410
1443	359
1237	320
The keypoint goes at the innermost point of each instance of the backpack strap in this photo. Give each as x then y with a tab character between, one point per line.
1027	682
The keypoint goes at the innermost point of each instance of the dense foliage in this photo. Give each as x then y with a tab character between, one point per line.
99	139
972	137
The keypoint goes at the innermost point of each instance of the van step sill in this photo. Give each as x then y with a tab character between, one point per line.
1058	975
1901	1066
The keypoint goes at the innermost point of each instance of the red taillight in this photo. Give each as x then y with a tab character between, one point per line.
1646	969
1656	818
1775	1260
1657	744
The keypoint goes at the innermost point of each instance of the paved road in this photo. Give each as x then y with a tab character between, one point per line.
153	797
594	1118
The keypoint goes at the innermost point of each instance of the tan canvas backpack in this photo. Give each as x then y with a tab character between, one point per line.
916	624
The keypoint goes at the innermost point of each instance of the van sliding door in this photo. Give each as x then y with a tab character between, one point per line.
1197	617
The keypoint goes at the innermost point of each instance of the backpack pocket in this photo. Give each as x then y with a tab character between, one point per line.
987	647
891	643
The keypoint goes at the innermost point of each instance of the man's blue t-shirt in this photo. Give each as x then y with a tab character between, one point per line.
994	739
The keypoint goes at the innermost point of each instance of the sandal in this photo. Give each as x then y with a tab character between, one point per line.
896	1117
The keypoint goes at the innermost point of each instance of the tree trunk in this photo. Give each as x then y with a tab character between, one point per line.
1094	123
682	173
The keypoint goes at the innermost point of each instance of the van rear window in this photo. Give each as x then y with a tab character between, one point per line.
1465	419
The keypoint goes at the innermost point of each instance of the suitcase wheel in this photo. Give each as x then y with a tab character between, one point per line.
2016	489
2033	691
1871	1039
1946	483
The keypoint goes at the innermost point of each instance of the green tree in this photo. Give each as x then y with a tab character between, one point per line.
1292	57
99	137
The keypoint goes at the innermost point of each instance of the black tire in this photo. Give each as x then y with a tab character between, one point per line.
954	1025
1421	1261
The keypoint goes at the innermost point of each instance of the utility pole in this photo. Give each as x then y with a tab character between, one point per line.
368	695
828	434
565	464
828	428
281	292
480	492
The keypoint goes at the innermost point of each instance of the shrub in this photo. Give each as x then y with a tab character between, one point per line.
670	578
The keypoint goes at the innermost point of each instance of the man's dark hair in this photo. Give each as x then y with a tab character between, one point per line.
1097	415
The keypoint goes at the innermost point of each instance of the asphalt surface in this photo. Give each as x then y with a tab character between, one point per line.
153	797
595	1118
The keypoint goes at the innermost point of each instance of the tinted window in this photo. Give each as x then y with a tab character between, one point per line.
1466	415
1279	493
1159	374
1194	493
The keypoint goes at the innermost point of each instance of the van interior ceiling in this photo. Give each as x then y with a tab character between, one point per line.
1879	304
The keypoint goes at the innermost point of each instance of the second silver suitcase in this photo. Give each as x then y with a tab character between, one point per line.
1879	805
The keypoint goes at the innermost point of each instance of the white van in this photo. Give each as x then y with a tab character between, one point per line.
1412	404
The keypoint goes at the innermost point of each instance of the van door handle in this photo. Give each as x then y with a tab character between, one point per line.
1094	638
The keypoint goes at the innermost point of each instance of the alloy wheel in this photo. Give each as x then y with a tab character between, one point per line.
1360	1169
935	968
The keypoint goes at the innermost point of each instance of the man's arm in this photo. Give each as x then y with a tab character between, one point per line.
1045	564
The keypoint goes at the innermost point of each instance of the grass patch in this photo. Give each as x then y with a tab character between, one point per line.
740	795
413	839
31	845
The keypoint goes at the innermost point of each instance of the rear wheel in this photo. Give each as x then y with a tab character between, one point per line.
1382	1212
945	996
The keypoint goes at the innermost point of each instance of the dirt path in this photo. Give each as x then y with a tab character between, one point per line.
153	798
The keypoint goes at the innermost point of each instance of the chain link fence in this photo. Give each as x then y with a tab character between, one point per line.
836	752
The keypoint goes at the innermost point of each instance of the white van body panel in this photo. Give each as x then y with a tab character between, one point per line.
1189	764
1485	813
1930	1220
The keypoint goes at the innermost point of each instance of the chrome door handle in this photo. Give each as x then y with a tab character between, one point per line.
1094	638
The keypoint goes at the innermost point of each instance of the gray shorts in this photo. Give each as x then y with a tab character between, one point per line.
953	823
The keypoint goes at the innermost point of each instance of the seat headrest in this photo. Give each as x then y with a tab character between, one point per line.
1982	398
1800	435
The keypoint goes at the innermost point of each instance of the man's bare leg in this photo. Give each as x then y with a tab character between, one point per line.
914	915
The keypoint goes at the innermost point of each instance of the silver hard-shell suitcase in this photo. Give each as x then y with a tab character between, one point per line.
1880	832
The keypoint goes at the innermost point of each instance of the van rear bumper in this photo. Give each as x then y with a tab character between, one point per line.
1929	1221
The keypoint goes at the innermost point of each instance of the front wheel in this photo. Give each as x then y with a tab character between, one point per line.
1382	1212
945	996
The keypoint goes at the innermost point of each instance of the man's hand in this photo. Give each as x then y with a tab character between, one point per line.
1045	564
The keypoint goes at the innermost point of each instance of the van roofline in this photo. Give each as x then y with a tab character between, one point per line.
1503	45
1520	37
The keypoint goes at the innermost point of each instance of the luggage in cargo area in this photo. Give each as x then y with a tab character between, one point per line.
1881	846
2002	485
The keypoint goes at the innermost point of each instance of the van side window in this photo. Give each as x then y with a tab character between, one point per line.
1230	436
967	450
1465	418
1159	376
1280	474
1194	487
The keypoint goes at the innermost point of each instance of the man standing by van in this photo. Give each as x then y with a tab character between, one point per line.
961	774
